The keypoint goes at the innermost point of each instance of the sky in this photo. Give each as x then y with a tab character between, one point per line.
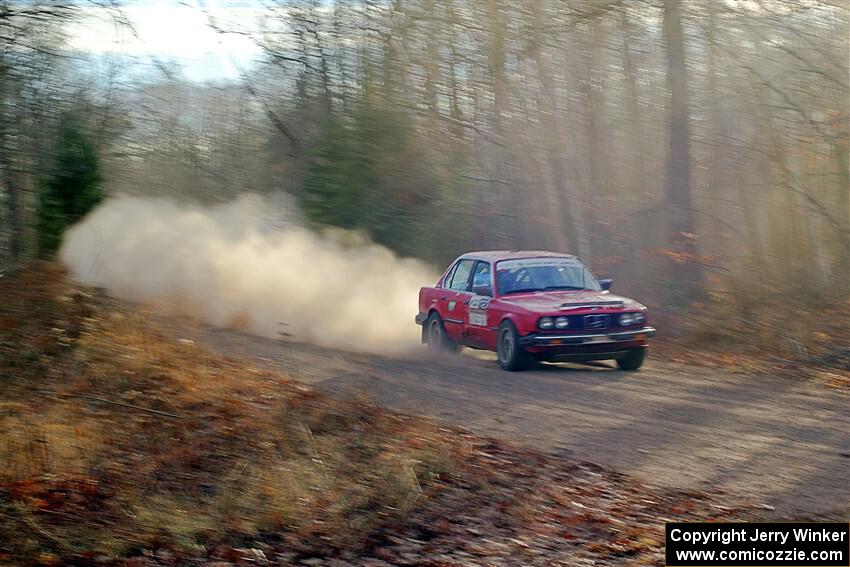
172	31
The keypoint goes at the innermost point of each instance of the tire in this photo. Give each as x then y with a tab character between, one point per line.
633	360
512	356
435	335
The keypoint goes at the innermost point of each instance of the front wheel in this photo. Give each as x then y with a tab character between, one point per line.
633	360
435	335
512	356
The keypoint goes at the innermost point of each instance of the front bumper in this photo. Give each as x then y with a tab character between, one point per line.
544	340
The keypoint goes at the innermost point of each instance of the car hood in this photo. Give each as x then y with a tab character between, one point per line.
568	301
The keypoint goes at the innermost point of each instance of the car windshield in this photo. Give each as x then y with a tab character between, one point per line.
543	274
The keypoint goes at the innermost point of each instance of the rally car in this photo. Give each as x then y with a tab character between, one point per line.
532	306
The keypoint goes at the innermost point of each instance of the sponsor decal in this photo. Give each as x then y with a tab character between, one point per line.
478	310
537	263
452	305
478	319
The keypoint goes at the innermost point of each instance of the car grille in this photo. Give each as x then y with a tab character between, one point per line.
595	322
608	321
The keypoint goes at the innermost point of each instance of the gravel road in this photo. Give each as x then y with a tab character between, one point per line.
780	442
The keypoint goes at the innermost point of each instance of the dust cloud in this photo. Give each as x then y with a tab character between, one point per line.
251	264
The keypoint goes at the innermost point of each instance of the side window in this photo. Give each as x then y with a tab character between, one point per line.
449	274
460	278
482	283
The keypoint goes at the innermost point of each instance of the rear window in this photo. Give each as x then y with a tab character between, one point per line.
459	279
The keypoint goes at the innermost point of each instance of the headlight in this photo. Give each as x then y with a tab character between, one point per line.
640	318
562	323
546	323
627	319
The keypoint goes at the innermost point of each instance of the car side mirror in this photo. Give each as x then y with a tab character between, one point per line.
606	283
483	289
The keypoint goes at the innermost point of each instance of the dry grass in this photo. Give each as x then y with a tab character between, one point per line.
115	440
121	447
804	335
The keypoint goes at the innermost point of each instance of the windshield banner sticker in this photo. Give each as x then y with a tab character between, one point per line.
537	263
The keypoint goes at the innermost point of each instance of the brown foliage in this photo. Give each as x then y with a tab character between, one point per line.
122	447
115	439
799	334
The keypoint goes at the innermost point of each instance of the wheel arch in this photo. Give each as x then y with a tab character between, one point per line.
424	334
519	321
509	317
518	359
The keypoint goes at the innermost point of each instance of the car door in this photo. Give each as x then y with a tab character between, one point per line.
478	329
454	299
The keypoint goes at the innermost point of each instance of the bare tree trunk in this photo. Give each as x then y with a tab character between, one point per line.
560	214
456	114
632	102
388	53
512	227
573	156
14	219
432	61
842	263
324	72
7	177
638	179
686	274
598	186
339	57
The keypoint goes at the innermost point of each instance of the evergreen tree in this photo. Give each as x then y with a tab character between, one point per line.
71	191
368	173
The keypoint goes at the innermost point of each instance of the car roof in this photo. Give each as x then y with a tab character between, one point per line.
496	255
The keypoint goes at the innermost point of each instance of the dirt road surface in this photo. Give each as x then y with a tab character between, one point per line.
778	442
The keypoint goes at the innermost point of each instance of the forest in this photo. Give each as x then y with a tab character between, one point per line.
696	151
216	216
